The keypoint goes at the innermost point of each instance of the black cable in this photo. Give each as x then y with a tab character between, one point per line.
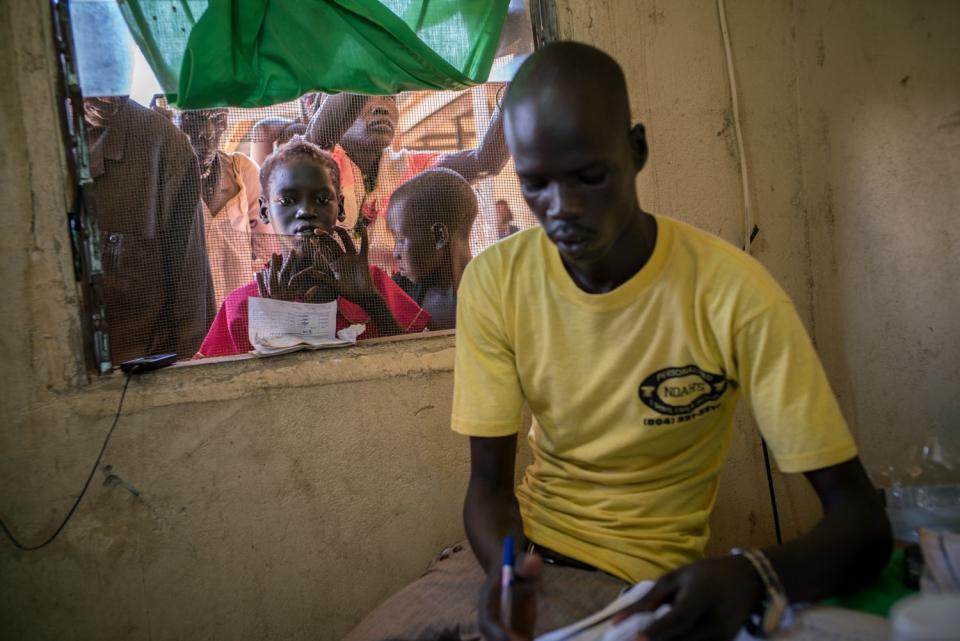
773	493
766	454
96	464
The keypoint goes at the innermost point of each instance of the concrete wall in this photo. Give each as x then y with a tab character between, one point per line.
279	498
267	510
880	111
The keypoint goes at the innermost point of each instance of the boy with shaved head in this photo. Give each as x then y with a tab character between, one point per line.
631	338
430	217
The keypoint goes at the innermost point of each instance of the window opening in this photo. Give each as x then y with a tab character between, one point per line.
178	233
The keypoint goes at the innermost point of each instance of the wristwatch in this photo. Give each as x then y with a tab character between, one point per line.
765	623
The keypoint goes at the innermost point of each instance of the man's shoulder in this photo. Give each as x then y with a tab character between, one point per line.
150	121
522	247
505	263
159	128
699	239
728	268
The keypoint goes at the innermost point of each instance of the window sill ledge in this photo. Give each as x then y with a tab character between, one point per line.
231	377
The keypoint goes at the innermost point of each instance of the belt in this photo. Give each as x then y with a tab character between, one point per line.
555	558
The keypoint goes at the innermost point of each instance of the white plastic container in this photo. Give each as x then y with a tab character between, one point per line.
927	617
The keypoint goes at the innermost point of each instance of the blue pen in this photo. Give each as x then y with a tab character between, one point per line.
506	582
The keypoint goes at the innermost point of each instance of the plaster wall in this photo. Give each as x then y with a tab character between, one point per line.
281	513
879	89
277	499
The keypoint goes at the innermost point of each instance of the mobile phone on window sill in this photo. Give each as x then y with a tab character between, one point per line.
147	363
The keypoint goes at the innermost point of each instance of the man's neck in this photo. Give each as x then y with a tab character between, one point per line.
625	259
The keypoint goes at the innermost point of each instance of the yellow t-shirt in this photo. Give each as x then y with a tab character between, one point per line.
633	391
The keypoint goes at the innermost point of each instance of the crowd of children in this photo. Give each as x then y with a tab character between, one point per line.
415	216
301	198
329	180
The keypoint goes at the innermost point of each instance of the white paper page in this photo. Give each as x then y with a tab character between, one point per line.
600	627
346	336
814	623
279	323
590	628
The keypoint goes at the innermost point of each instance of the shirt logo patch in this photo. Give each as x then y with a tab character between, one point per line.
681	390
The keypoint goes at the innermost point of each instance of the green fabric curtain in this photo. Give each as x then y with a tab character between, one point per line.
254	53
161	28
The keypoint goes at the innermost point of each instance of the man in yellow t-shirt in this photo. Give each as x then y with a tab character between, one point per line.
630	337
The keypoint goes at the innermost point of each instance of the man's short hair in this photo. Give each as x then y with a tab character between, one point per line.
589	80
298	147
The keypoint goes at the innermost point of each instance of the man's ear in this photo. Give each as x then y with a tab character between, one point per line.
264	218
638	144
341	212
441	235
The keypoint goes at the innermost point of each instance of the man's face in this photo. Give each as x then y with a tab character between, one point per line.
205	129
577	175
415	246
302	198
377	123
99	111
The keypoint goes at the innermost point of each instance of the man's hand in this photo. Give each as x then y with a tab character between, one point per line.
709	599
523	609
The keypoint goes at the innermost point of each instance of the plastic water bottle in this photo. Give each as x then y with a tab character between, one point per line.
917	496
934	507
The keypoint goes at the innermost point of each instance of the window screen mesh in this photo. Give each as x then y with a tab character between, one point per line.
177	198
183	230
